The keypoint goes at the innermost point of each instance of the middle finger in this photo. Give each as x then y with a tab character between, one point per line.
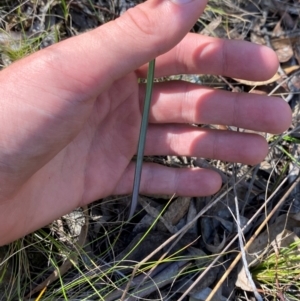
182	102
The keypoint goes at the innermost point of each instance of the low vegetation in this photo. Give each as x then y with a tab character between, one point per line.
174	248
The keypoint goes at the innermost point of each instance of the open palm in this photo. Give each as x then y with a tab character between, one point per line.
69	133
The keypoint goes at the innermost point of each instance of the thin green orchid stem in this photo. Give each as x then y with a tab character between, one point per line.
142	139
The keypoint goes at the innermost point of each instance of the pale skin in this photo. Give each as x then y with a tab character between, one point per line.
70	114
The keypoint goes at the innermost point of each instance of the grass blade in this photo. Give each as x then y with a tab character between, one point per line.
142	139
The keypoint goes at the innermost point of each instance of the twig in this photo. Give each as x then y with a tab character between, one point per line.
254	236
256	169
241	243
201	276
178	235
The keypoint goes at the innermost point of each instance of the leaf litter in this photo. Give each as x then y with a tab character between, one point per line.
190	244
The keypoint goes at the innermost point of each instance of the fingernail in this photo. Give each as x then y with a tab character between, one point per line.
180	2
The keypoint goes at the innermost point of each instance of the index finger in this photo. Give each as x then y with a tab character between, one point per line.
197	54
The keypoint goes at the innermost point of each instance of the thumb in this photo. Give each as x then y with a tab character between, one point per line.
147	31
91	61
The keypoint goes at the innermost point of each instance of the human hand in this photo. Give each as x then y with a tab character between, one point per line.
70	114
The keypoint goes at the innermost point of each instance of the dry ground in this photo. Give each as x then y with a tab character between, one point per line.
94	254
